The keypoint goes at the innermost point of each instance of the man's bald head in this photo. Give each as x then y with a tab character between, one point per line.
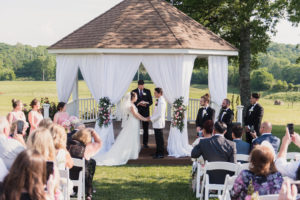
266	127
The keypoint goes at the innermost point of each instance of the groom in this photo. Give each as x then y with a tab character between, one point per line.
143	103
158	122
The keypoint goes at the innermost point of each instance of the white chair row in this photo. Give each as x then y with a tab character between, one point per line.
293	156
206	186
80	183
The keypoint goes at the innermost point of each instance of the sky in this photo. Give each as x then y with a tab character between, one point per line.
44	22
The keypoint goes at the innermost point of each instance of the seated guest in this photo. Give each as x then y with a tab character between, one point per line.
14	128
78	126
216	148
263	176
204	113
45	123
82	147
241	146
206	132
289	169
9	147
226	115
27	179
63	157
266	135
34	116
61	116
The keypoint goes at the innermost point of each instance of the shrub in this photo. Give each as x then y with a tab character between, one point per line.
261	80
280	86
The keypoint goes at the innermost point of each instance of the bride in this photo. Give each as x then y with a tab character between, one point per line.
127	144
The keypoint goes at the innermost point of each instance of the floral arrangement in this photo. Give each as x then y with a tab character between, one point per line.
73	121
104	112
251	194
178	114
66	124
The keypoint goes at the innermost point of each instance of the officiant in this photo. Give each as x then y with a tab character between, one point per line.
143	104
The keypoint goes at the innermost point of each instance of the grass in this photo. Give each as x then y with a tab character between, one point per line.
27	90
143	182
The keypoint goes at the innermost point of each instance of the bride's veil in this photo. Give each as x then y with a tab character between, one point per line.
125	107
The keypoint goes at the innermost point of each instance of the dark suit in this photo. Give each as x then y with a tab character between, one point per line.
216	148
253	118
227	119
274	141
145	95
242	147
209	115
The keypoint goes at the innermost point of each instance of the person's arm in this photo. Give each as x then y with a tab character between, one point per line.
150	99
137	115
55	119
156	116
259	116
92	148
9	118
197	151
69	160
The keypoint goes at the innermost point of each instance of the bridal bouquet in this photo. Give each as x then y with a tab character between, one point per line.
178	114
104	112
73	120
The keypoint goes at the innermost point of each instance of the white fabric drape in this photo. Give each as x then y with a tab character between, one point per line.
66	72
217	80
173	74
108	76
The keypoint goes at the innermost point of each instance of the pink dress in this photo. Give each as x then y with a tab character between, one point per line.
62	117
36	118
19	115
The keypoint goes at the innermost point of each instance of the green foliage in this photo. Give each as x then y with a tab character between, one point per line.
25	61
200	76
285	96
280	86
261	79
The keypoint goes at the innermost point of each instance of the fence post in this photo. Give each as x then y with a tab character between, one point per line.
239	117
46	110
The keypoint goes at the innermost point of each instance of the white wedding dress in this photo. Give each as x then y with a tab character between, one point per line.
127	144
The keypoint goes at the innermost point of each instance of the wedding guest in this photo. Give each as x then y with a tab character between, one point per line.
290	169
266	135
288	191
241	146
78	126
204	113
27	179
63	158
42	141
17	113
262	174
143	104
14	128
216	148
253	117
9	147
82	147
226	115
207	131
34	116
61	116
45	123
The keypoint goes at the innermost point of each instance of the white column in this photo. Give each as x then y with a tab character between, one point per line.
75	97
46	110
239	116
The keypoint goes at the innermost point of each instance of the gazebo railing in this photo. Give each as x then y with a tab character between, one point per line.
86	110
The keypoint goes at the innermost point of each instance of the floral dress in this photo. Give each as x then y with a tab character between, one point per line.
264	185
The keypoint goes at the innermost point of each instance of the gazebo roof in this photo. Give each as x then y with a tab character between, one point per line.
143	24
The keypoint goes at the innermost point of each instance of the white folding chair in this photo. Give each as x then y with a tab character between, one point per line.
269	197
242	167
242	157
228	185
293	156
210	166
80	183
200	170
64	183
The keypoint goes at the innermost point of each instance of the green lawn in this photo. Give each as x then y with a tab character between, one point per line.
143	182
27	90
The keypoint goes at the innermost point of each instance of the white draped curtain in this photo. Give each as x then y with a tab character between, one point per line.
66	73
217	80
173	74
108	76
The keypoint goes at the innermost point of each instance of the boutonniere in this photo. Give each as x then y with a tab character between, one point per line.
156	102
251	109
144	93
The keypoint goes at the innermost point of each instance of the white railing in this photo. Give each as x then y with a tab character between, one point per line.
86	110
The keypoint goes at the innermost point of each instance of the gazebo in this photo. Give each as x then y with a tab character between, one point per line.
109	49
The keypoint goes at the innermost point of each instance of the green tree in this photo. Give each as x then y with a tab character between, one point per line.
261	80
244	23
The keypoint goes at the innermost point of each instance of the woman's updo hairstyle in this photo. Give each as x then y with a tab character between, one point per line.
206	98
60	106
34	102
15	103
132	95
159	90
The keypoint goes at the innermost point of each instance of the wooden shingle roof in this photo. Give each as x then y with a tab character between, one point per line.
143	24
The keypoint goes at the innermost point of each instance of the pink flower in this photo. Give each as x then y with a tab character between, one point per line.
248	197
